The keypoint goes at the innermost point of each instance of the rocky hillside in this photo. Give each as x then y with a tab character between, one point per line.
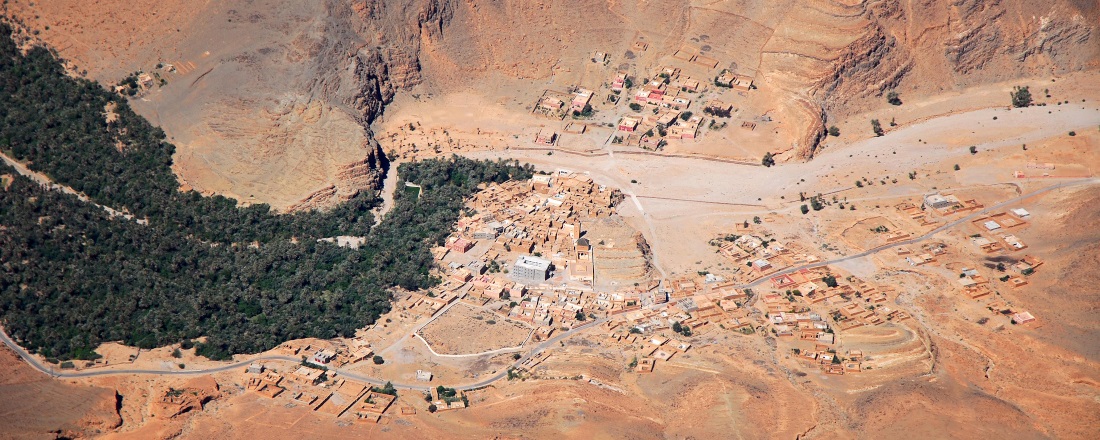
267	101
272	100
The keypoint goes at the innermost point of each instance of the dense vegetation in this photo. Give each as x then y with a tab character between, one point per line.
71	277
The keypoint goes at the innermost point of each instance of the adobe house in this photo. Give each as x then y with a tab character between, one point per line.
718	108
629	124
546	137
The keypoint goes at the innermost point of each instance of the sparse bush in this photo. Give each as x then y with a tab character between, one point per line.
635	106
859	184
1073	133
957	167
973	149
877	127
805	209
834	131
378	360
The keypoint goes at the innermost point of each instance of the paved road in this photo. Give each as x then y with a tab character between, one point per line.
536	349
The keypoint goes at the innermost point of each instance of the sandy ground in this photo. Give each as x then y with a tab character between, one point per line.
468	330
671	192
953	370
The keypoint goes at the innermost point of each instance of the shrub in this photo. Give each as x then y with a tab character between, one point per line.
973	149
432	408
805	209
877	127
1073	133
768	160
859	184
1021	97
386	389
635	106
957	167
893	98
834	131
378	360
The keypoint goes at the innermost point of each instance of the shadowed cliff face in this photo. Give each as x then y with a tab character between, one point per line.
272	100
267	100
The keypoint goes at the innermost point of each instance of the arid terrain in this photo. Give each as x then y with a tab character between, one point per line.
695	291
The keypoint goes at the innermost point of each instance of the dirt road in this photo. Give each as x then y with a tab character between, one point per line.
47	182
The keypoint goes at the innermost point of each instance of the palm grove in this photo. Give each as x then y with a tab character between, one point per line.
248	278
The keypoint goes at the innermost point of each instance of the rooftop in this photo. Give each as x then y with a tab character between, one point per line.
533	262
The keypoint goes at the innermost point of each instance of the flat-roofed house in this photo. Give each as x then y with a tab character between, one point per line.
580	100
550	103
545	137
531	267
629	123
761	265
718	108
936	201
459	244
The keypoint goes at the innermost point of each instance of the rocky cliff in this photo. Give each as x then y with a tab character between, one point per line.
272	100
267	101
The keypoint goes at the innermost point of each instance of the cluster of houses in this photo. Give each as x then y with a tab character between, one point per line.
992	235
726	78
537	220
309	386
755	257
552	104
829	361
815	302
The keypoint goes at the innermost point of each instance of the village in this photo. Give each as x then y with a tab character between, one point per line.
520	270
626	108
525	269
658	102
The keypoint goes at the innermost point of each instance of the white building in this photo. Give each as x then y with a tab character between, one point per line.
936	201
531	267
